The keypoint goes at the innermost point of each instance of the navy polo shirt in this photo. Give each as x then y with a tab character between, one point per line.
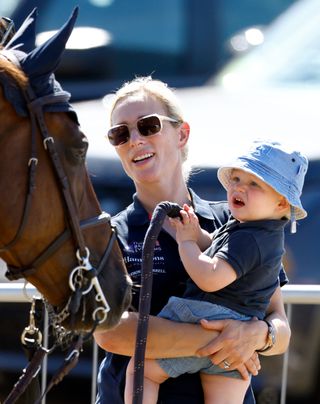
254	250
169	279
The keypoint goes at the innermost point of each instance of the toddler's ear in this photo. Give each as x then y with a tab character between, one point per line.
284	205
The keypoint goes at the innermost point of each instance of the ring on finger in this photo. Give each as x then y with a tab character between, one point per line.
226	364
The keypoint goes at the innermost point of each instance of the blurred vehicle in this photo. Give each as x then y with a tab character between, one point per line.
271	91
181	41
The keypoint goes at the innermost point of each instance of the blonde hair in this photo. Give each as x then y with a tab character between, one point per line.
162	92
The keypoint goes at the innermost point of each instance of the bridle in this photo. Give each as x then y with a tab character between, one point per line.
83	277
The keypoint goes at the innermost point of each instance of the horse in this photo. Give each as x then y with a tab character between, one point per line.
53	232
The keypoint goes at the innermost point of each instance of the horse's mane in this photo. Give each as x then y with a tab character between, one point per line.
13	71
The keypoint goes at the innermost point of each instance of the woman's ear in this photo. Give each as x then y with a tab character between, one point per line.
184	133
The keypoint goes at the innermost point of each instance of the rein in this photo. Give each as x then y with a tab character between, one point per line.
161	211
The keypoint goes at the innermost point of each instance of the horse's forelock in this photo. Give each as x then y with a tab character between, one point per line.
7	67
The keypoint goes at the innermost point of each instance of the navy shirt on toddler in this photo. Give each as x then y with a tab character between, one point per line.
254	250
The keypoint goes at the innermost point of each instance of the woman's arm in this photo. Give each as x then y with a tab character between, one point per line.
231	340
165	338
276	315
238	340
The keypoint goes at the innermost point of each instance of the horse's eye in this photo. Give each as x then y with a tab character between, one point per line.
77	154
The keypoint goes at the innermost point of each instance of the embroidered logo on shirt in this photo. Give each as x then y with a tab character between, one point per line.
132	256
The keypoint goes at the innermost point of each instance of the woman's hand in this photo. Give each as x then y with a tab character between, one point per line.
251	366
236	344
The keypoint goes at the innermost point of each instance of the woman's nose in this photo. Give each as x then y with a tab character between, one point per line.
135	136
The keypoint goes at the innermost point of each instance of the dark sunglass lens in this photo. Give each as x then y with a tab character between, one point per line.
149	126
118	135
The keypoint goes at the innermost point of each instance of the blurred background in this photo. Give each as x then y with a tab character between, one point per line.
242	69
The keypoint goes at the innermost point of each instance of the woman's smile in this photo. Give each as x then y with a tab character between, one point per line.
142	157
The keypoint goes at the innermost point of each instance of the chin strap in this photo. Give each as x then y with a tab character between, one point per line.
293	228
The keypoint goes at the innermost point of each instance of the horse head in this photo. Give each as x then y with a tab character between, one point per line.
53	232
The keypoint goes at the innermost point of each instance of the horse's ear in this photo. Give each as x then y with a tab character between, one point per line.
25	37
44	59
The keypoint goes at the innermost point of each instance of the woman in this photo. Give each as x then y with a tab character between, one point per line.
150	136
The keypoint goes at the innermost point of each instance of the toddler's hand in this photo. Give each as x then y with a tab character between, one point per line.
187	227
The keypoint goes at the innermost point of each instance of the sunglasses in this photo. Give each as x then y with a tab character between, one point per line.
8	30
147	126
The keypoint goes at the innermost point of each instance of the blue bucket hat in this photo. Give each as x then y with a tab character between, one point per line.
279	166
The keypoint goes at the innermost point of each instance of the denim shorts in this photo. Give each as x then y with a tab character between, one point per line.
192	311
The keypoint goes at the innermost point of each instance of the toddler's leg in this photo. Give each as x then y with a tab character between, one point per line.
153	376
219	389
